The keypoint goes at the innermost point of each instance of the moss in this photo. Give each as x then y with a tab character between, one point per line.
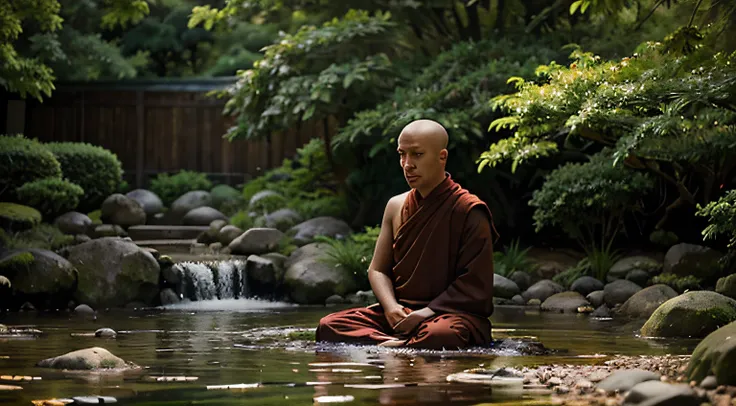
19	261
42	236
108	364
95	216
693	314
17	216
305	335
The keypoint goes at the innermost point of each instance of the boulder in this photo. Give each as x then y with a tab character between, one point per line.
619	291
638	276
586	284
564	302
114	272
86	359
122	211
109	230
727	286
150	201
282	219
227	234
73	223
596	298
601	311
224	196
625	379
266	201
542	290
188	202
716	356
277	258
522	279
644	302
264	275
202	216
304	233
503	287
692	314
211	235
256	241
623	266
657	393
17	217
689	259
39	276
311	280
168	297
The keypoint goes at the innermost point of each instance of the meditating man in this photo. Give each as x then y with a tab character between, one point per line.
432	268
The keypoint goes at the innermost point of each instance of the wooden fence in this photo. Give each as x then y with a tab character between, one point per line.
161	127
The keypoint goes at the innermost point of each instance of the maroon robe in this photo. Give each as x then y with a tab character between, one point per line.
443	259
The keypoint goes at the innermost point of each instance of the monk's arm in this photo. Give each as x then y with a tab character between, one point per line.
472	291
379	272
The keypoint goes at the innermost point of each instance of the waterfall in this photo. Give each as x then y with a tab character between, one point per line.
213	280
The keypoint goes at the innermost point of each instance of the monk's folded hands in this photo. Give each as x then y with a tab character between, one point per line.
396	314
407	325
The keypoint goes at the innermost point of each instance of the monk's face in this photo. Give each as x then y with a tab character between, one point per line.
423	157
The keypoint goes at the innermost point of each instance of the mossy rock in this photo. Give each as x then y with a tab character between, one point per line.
17	217
727	286
693	314
715	355
226	196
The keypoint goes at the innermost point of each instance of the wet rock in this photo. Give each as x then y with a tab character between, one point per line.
564	302
644	302
226	196
172	274
504	287
522	279
692	314
149	201
602	312
518	300
715	356
105	333
361	297
228	233
585	285
73	223
188	202
305	232
727	286
256	241
5	283
282	219
93	400
27	307
334	299
534	302
81	238
113	272
278	259
623	380
542	290
86	359
619	291
710	382
689	259
638	276
656	393
266	201
122	211
264	276
42	277
309	280
622	267
83	309
109	230
202	216
595	298
168	297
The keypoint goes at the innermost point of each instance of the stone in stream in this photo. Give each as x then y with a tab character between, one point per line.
93	400
87	359
656	393
542	290
623	380
619	291
586	284
504	287
564	302
595	298
644	302
692	314
105	333
715	355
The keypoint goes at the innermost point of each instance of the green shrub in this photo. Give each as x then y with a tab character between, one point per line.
43	236
95	169
23	160
171	187
268	204
242	220
51	196
679	284
512	259
17	216
721	215
353	254
226	199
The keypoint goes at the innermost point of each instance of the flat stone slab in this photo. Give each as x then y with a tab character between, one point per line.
167	246
150	232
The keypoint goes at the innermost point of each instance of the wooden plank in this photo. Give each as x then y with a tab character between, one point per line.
140	139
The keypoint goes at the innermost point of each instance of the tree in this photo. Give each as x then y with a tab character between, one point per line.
29	75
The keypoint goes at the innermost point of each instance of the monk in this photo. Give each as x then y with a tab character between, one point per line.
432	267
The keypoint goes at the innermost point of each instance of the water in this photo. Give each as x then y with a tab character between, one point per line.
227	342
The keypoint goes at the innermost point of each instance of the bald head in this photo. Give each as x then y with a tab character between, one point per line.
428	133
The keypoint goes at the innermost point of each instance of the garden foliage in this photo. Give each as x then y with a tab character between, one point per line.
170	187
51	196
24	160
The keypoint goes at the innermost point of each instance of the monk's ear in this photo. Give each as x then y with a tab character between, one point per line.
443	154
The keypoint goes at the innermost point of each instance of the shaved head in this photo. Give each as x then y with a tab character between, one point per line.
422	146
428	132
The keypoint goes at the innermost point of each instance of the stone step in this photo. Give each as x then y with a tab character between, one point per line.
166	247
144	233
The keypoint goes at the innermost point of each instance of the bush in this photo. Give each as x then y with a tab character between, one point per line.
353	254
51	196
95	169
721	218
171	187
679	284
17	216
512	259
242	220
43	236
23	160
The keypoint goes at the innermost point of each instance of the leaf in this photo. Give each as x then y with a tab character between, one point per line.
309	113
574	6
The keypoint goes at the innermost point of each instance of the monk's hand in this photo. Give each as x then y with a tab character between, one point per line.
396	314
412	320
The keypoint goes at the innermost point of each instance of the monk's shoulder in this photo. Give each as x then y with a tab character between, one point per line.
395	204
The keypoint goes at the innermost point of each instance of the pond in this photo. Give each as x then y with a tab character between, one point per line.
262	345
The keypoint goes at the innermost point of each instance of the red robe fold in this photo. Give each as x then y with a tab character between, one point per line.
443	259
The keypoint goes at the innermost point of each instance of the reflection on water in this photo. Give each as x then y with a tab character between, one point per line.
251	342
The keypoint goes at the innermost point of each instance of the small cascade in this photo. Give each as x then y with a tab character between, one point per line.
213	280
